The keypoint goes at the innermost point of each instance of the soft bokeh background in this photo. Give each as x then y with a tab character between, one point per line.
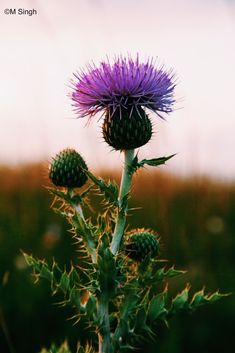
191	202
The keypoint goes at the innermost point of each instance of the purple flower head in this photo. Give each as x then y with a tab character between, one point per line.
126	84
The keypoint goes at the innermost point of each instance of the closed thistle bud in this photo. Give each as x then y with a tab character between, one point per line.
127	128
141	243
67	169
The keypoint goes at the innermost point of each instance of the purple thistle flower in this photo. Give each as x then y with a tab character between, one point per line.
126	84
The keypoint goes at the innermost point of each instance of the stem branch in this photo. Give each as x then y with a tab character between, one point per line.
85	230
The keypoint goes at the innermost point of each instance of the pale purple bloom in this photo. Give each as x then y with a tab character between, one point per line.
126	84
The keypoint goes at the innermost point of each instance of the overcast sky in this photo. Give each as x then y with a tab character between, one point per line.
39	54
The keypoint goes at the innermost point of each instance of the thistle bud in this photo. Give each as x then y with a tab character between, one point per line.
141	243
127	128
67	169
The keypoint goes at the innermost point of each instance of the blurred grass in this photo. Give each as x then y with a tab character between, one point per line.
195	218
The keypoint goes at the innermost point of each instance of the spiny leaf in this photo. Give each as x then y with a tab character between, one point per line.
141	328
61	281
157	306
154	162
40	267
61	194
171	272
200	298
110	190
69	197
181	300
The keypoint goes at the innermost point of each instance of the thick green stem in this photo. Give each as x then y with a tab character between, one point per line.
104	335
122	201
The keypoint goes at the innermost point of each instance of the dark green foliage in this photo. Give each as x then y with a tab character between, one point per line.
140	301
69	283
116	290
127	128
67	169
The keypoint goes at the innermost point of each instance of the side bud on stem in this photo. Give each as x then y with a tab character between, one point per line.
141	243
67	169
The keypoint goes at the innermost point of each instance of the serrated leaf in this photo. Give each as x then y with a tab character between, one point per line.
40	267
157	306
57	272
110	190
61	281
61	194
214	297
70	197
200	298
154	162
171	272
46	273
181	300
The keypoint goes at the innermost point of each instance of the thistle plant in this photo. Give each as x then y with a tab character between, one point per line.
120	287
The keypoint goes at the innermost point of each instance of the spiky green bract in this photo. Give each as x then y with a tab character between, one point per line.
141	243
127	128
67	169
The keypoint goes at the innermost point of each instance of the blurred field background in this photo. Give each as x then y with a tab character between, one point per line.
195	217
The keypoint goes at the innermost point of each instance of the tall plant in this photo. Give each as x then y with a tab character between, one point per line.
121	287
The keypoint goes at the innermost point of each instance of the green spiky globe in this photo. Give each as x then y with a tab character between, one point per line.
127	128
140	244
67	169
